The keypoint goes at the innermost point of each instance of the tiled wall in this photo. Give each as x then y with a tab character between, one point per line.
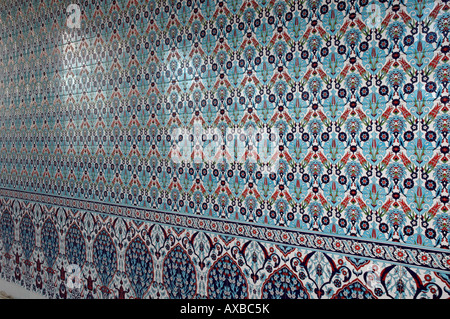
225	148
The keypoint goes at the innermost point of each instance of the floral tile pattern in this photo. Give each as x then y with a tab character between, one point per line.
225	149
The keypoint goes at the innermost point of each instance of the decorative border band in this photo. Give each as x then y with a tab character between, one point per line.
435	259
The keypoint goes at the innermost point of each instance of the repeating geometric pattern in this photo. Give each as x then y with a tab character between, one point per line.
126	258
226	149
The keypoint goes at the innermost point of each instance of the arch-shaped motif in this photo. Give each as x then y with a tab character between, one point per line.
105	257
354	290
75	246
226	280
50	242
139	266
283	284
27	236
7	228
179	274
